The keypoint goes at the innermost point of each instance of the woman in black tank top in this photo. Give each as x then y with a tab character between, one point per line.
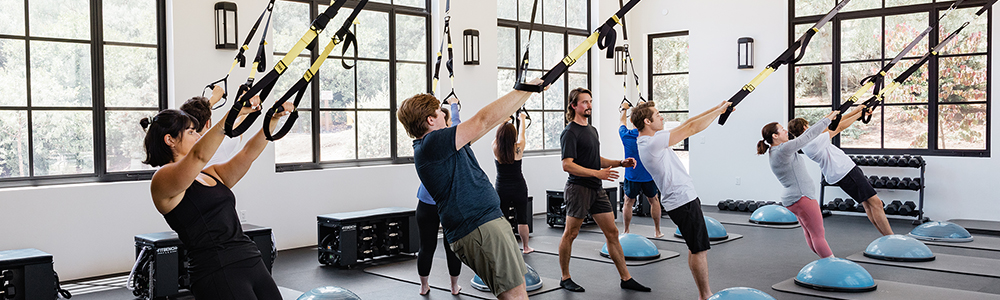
197	203
508	149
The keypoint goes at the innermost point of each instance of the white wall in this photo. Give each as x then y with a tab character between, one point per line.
89	227
957	187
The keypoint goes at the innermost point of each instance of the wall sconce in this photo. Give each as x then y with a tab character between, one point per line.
225	25
470	46
620	63
745	53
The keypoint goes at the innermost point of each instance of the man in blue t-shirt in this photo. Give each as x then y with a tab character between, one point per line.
637	180
467	204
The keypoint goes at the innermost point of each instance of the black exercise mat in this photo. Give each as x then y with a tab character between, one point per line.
978	226
668	233
741	219
978	243
887	290
406	271
590	250
969	265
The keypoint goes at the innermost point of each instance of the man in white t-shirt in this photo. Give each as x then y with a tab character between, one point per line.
677	194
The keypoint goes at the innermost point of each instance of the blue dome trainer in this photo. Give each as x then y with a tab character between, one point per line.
898	247
741	293
835	275
716	232
531	281
941	232
329	293
773	215
635	247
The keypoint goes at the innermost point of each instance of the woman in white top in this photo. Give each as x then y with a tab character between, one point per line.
838	169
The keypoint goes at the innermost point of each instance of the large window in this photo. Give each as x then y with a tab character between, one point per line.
668	81
76	76
348	117
560	25
942	109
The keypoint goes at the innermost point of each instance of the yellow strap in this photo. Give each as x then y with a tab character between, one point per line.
757	80
888	89
434	87
815	29
322	57
617	20
246	47
303	42
570	59
861	91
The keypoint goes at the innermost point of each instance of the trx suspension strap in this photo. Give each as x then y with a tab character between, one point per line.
342	35
627	60
604	37
785	58
267	82
877	99
259	62
878	78
450	64
517	122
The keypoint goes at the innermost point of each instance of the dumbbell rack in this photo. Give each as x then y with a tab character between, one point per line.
920	219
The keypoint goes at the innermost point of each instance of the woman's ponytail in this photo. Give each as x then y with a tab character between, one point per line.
762	147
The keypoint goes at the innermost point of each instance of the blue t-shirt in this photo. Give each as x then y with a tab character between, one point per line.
639	173
422	193
464	194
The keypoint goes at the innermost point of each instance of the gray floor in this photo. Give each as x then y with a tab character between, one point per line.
763	257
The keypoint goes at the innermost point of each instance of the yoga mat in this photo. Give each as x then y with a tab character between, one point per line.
968	265
590	250
648	231
978	226
978	243
440	281
887	290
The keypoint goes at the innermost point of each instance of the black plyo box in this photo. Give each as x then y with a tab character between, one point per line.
555	214
353	237
31	275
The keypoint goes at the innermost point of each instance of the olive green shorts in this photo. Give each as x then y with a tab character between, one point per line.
492	253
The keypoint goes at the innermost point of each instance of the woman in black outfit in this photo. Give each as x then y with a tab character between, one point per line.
197	203
508	148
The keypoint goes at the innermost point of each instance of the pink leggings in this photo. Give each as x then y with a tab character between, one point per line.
807	210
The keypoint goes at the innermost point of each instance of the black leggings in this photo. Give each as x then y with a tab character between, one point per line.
244	280
428	223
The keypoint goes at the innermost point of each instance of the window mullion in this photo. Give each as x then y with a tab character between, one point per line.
97	92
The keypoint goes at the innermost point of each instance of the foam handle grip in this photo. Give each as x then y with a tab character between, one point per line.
735	100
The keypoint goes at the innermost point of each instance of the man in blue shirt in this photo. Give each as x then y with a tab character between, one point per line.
637	179
468	205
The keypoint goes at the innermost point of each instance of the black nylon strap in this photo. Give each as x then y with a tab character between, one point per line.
240	57
450	64
298	90
264	86
606	39
789	56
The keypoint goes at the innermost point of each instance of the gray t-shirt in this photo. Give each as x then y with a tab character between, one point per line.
790	168
668	171
465	196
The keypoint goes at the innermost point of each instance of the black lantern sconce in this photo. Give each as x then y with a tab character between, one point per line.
225	25
470	46
745	53
620	63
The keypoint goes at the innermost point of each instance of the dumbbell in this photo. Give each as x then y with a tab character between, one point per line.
743	206
872	161
903	161
879	182
914	184
732	205
915	161
907	208
872	179
893	208
881	161
723	205
847	205
860	207
854	159
770	203
832	205
752	206
892	161
893	183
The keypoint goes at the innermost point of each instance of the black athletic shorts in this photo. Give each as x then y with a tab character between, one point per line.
690	220
581	200
633	188
856	185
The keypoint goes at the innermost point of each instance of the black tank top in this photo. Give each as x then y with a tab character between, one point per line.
207	223
509	174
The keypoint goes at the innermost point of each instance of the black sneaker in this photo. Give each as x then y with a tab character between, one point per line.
631	284
571	286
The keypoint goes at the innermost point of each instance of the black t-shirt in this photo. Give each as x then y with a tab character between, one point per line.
582	145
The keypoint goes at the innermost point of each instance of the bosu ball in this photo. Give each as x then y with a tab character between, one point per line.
835	275
531	281
716	232
329	293
773	215
741	293
898	247
941	232
635	247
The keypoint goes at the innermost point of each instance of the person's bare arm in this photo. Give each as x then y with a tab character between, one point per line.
623	119
696	124
490	116
233	170
848	119
577	170
521	139
173	179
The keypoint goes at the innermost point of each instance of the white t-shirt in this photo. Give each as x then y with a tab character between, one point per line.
227	149
668	171
833	163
